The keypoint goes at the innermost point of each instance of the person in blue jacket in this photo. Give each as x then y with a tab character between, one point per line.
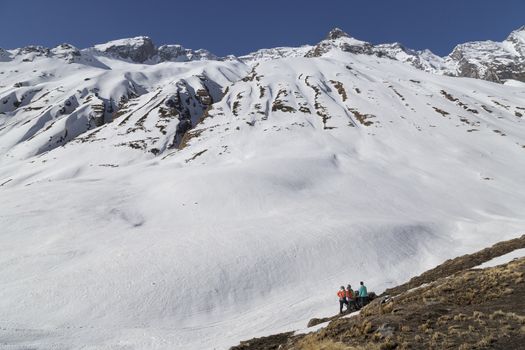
363	295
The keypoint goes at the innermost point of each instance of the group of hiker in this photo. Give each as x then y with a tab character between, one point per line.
355	298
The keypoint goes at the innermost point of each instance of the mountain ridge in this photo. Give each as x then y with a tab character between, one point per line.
499	60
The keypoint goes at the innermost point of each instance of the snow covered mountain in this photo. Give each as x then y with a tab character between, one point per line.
161	198
494	61
488	60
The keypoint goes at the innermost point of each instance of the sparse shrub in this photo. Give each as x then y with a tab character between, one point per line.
486	341
314	344
479	314
366	327
460	317
388	345
497	315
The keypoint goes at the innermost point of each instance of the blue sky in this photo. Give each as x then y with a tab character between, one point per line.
237	27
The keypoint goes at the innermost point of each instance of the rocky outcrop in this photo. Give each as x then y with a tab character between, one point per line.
425	60
337	39
4	55
29	53
142	50
487	60
517	40
336	33
138	49
177	53
67	52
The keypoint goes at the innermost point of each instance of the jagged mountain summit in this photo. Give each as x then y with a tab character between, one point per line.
159	198
494	61
488	60
141	49
134	50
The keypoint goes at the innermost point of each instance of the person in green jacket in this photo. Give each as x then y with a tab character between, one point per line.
363	295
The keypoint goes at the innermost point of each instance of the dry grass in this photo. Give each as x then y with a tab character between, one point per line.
449	267
311	344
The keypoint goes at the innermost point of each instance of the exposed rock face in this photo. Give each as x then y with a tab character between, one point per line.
487	60
177	53
424	60
29	53
38	50
517	39
138	49
67	52
142	50
337	39
4	55
336	33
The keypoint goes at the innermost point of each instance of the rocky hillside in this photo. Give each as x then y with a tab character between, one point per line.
458	308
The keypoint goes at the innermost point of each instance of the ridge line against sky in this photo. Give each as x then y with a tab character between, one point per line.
239	27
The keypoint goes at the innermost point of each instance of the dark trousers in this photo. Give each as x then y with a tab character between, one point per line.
341	303
351	302
363	301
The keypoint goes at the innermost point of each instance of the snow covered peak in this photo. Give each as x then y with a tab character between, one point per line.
518	32
135	42
28	53
66	51
138	49
339	40
142	50
275	53
517	39
336	33
490	60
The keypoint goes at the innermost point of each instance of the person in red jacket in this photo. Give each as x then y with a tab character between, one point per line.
341	294
350	298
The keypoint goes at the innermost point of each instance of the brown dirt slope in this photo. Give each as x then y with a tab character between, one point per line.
460	263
